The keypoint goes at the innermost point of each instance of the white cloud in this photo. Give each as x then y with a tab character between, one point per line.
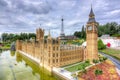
27	15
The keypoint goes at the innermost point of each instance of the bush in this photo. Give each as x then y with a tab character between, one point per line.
104	58
84	70
98	72
87	61
101	59
95	61
101	45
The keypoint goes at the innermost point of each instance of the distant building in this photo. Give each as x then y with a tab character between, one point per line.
112	41
70	37
64	37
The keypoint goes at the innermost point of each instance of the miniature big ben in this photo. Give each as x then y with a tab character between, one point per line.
91	31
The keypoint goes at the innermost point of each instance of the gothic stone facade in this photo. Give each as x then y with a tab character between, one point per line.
52	53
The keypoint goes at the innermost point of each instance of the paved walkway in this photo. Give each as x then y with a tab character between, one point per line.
115	61
64	73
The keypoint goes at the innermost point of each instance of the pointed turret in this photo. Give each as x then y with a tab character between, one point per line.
49	35
62	27
91	16
62	35
91	12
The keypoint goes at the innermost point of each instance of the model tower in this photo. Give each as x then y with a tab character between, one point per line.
91	31
62	34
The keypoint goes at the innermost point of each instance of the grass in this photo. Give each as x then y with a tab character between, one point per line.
77	67
75	42
70	64
112	52
6	46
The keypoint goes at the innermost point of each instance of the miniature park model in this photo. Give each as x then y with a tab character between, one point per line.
51	52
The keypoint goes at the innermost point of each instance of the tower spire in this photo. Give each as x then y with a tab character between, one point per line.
49	35
62	27
91	15
91	12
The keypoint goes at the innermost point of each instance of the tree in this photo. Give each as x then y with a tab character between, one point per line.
77	34
4	37
10	37
101	45
109	28
81	34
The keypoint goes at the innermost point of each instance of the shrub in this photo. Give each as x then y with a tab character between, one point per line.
101	45
95	61
104	58
98	72
87	61
101	59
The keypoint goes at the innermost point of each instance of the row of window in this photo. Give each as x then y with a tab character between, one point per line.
70	58
55	48
55	60
65	54
55	54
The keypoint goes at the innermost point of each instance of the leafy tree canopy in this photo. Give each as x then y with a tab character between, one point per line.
101	45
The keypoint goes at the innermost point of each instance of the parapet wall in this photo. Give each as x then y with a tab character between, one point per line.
71	55
31	48
52	55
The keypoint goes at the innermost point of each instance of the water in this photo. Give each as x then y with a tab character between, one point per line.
15	66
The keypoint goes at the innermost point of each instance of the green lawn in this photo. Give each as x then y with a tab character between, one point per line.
77	67
5	48
112	52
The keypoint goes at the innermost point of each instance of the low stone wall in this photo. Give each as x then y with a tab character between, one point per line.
36	60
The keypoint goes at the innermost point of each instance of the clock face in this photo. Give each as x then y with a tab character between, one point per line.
95	28
90	28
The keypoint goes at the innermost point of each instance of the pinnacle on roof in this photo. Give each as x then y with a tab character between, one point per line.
91	16
91	12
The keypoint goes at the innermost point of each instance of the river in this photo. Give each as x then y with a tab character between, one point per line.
15	66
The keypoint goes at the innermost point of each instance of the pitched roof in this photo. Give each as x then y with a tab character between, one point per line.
91	13
91	16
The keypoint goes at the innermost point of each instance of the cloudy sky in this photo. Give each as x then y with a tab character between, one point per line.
27	15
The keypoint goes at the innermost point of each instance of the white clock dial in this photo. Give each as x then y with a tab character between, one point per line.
90	28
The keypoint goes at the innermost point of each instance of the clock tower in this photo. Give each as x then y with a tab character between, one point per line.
91	31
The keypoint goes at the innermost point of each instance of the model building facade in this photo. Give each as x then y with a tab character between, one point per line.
54	53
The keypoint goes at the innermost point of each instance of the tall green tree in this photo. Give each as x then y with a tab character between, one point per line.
101	45
10	37
81	34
